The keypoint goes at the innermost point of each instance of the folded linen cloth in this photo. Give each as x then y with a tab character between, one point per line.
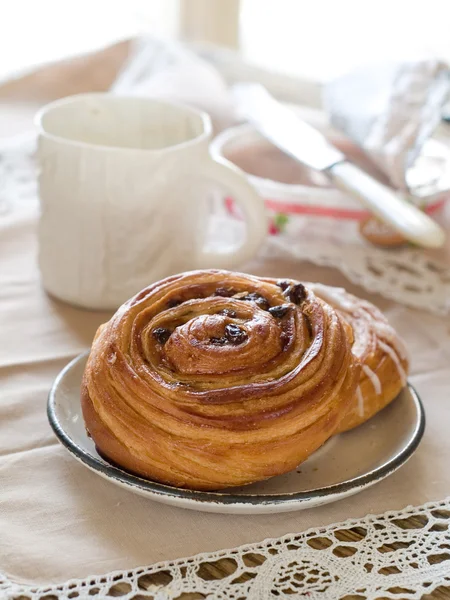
171	71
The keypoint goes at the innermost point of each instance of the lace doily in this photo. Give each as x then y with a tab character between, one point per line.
403	554
408	276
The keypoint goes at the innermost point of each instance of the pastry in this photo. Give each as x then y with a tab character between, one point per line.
377	346
212	379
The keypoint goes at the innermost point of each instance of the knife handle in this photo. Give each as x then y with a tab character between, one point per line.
387	205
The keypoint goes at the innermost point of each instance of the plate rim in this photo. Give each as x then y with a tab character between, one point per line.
225	498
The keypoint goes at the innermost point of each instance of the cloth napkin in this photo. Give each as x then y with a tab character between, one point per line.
169	70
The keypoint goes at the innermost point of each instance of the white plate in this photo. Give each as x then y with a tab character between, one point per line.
345	465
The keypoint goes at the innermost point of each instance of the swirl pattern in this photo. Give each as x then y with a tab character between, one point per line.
212	379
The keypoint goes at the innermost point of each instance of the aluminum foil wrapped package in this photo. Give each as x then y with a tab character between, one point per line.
390	110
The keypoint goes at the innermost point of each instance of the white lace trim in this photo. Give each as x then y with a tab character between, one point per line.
399	554
405	275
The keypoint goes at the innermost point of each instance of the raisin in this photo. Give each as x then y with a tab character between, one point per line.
234	334
257	299
161	334
217	341
227	312
279	311
283	284
297	293
174	302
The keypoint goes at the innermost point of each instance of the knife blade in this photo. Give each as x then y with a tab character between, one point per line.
295	137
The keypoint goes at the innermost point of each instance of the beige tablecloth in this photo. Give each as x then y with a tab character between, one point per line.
58	520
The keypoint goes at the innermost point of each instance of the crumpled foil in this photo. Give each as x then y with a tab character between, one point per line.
391	110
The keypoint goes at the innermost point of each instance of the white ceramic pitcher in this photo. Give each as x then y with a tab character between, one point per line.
122	189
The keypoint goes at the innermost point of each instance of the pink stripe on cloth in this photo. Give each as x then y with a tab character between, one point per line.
293	208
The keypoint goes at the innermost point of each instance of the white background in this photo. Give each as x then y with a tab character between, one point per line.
313	38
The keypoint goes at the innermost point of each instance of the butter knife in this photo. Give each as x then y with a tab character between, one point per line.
289	133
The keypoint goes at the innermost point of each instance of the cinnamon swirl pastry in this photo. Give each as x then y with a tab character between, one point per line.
377	346
212	379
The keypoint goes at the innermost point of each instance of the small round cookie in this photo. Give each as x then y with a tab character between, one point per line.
380	234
